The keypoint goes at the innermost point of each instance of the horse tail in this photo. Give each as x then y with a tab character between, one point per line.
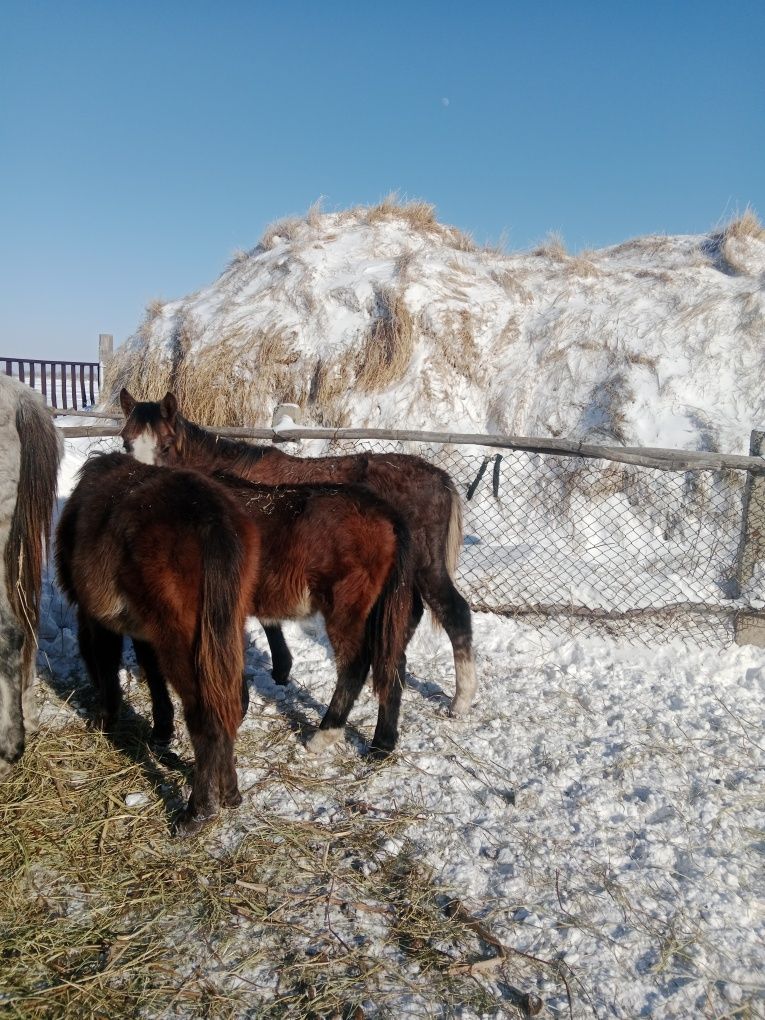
29	534
389	621
226	570
455	535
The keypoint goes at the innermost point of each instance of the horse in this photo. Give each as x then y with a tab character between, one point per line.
344	553
424	495
30	451
176	560
166	558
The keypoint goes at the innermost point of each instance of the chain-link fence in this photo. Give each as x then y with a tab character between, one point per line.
576	543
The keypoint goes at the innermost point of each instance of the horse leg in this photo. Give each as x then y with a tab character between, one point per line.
281	657
245	696
228	782
210	764
386	731
101	650
453	613
11	711
214	771
350	680
162	711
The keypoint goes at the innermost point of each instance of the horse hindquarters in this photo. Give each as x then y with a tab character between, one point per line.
207	665
376	635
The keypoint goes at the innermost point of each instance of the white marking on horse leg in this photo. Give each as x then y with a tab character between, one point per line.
145	448
465	683
322	739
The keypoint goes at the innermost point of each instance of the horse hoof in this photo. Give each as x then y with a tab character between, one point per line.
459	707
377	753
280	681
161	741
322	739
232	800
190	824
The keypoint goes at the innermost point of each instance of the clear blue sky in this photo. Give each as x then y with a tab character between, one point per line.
141	143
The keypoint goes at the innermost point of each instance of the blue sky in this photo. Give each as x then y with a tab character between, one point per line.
142	143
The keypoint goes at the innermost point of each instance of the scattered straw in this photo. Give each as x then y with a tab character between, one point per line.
105	913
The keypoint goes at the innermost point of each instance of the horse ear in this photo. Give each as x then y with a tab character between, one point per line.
169	407
127	402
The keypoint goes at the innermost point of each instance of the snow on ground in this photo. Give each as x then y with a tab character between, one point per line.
602	805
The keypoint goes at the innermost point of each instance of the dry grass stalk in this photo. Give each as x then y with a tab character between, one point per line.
388	344
746	225
421	216
239	379
456	346
104	913
553	247
582	265
145	369
509	280
287	229
404	263
329	393
314	215
239	257
735	242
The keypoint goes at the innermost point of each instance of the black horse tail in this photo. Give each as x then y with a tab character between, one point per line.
389	621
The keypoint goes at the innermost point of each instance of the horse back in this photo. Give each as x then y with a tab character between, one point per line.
315	538
132	543
423	493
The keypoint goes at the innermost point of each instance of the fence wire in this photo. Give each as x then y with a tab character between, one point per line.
633	551
574	545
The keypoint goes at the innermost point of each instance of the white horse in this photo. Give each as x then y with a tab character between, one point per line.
30	451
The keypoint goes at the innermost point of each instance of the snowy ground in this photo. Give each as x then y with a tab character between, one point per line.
603	805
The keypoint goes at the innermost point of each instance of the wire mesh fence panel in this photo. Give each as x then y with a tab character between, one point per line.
576	544
629	549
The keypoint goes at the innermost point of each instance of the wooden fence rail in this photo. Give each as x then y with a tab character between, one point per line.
647	456
64	384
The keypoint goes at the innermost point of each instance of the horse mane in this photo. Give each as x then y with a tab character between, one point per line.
201	447
29	532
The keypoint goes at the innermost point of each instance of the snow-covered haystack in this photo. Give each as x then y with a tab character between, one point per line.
382	316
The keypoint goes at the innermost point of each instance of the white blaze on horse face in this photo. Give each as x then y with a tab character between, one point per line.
145	448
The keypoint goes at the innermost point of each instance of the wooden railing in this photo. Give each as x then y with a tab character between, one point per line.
64	384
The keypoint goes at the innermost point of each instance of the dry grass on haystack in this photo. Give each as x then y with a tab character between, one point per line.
738	239
386	350
238	379
236	375
144	368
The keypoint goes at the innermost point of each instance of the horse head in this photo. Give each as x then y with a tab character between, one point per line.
150	432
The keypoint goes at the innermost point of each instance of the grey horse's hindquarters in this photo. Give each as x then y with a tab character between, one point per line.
11	715
11	635
30	452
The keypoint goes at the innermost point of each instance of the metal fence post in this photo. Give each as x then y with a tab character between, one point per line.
750	625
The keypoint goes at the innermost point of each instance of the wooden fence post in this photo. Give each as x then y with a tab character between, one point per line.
105	352
750	626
